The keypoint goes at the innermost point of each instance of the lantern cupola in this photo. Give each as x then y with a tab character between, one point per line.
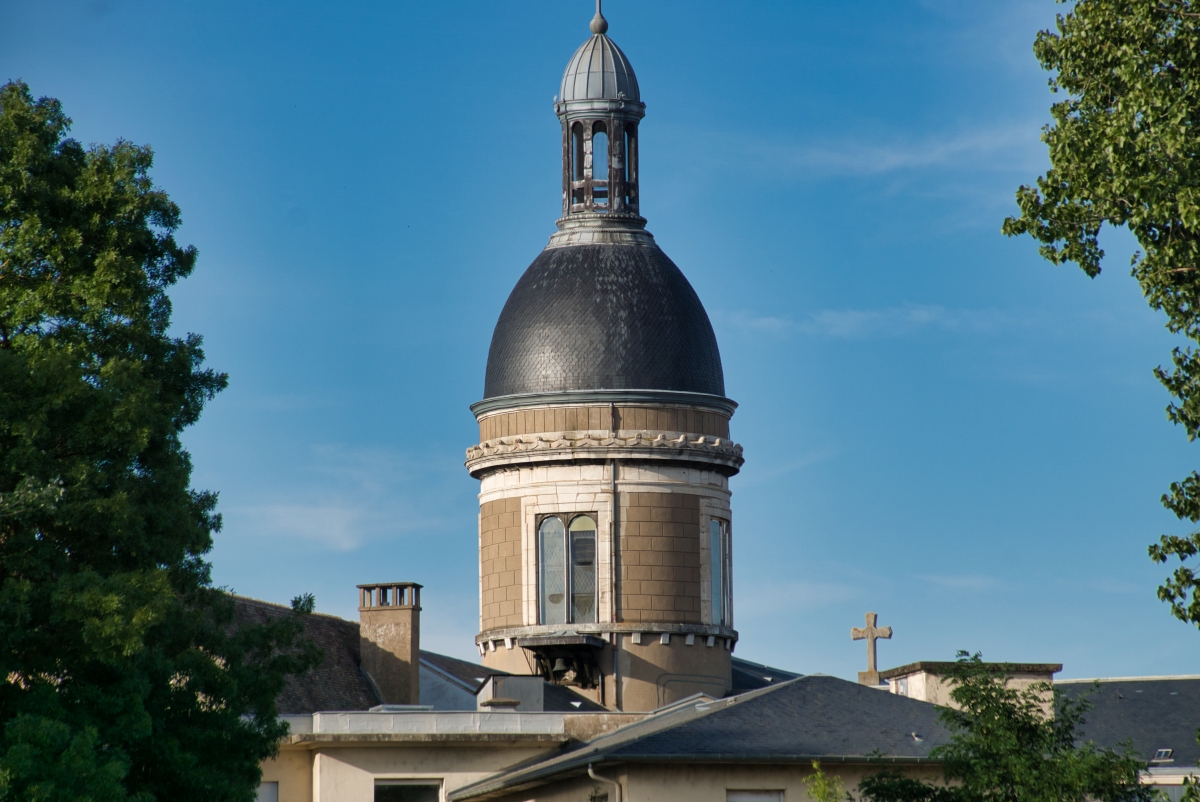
599	105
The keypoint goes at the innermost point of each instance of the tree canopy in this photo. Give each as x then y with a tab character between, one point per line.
1007	747
122	673
1125	151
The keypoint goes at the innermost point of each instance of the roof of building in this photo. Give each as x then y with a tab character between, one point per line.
944	667
813	717
469	675
1152	712
603	317
337	683
748	676
560	699
599	71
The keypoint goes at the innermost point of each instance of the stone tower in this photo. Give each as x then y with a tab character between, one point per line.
604	456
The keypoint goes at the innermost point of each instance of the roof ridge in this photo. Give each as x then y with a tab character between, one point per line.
1125	679
287	608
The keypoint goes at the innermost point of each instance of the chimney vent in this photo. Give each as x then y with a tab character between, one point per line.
389	616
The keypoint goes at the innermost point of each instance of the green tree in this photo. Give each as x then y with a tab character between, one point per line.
1006	747
1125	151
123	674
820	787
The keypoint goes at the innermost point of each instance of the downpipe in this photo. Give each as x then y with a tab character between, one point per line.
614	783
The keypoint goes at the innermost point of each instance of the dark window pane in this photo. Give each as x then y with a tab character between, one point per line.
407	793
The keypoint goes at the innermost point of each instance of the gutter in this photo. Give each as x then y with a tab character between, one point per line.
531	778
318	740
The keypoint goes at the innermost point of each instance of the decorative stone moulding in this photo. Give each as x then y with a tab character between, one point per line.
687	634
598	445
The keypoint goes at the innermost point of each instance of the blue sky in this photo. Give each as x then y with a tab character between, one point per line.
939	426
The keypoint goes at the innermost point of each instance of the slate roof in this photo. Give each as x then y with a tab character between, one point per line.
557	699
748	676
1152	712
337	683
813	717
469	675
603	317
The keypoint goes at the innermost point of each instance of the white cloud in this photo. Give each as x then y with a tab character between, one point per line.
961	581
344	498
855	324
767	599
988	148
1009	146
757	475
337	527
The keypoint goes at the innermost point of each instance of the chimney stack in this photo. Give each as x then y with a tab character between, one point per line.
389	615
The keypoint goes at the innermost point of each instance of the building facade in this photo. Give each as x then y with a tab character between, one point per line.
605	525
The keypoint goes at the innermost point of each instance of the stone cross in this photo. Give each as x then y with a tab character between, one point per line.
870	632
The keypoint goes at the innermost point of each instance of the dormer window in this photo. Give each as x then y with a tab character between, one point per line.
567	569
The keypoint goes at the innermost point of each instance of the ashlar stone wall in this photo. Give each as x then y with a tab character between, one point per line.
500	563
660	557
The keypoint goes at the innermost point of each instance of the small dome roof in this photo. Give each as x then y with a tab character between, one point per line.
603	317
599	71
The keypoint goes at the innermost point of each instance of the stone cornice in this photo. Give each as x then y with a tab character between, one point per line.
625	627
590	397
565	446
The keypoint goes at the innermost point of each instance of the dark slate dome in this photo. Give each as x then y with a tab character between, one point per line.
603	317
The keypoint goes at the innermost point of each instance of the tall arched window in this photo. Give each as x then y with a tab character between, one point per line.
577	163
567	569
583	570
631	167
552	557
577	152
599	167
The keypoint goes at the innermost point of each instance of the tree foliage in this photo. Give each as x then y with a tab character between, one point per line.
1125	151
1007	747
820	787
122	673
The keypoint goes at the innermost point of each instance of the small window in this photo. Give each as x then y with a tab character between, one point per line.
902	686
407	791
718	557
267	792
1163	754
753	796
